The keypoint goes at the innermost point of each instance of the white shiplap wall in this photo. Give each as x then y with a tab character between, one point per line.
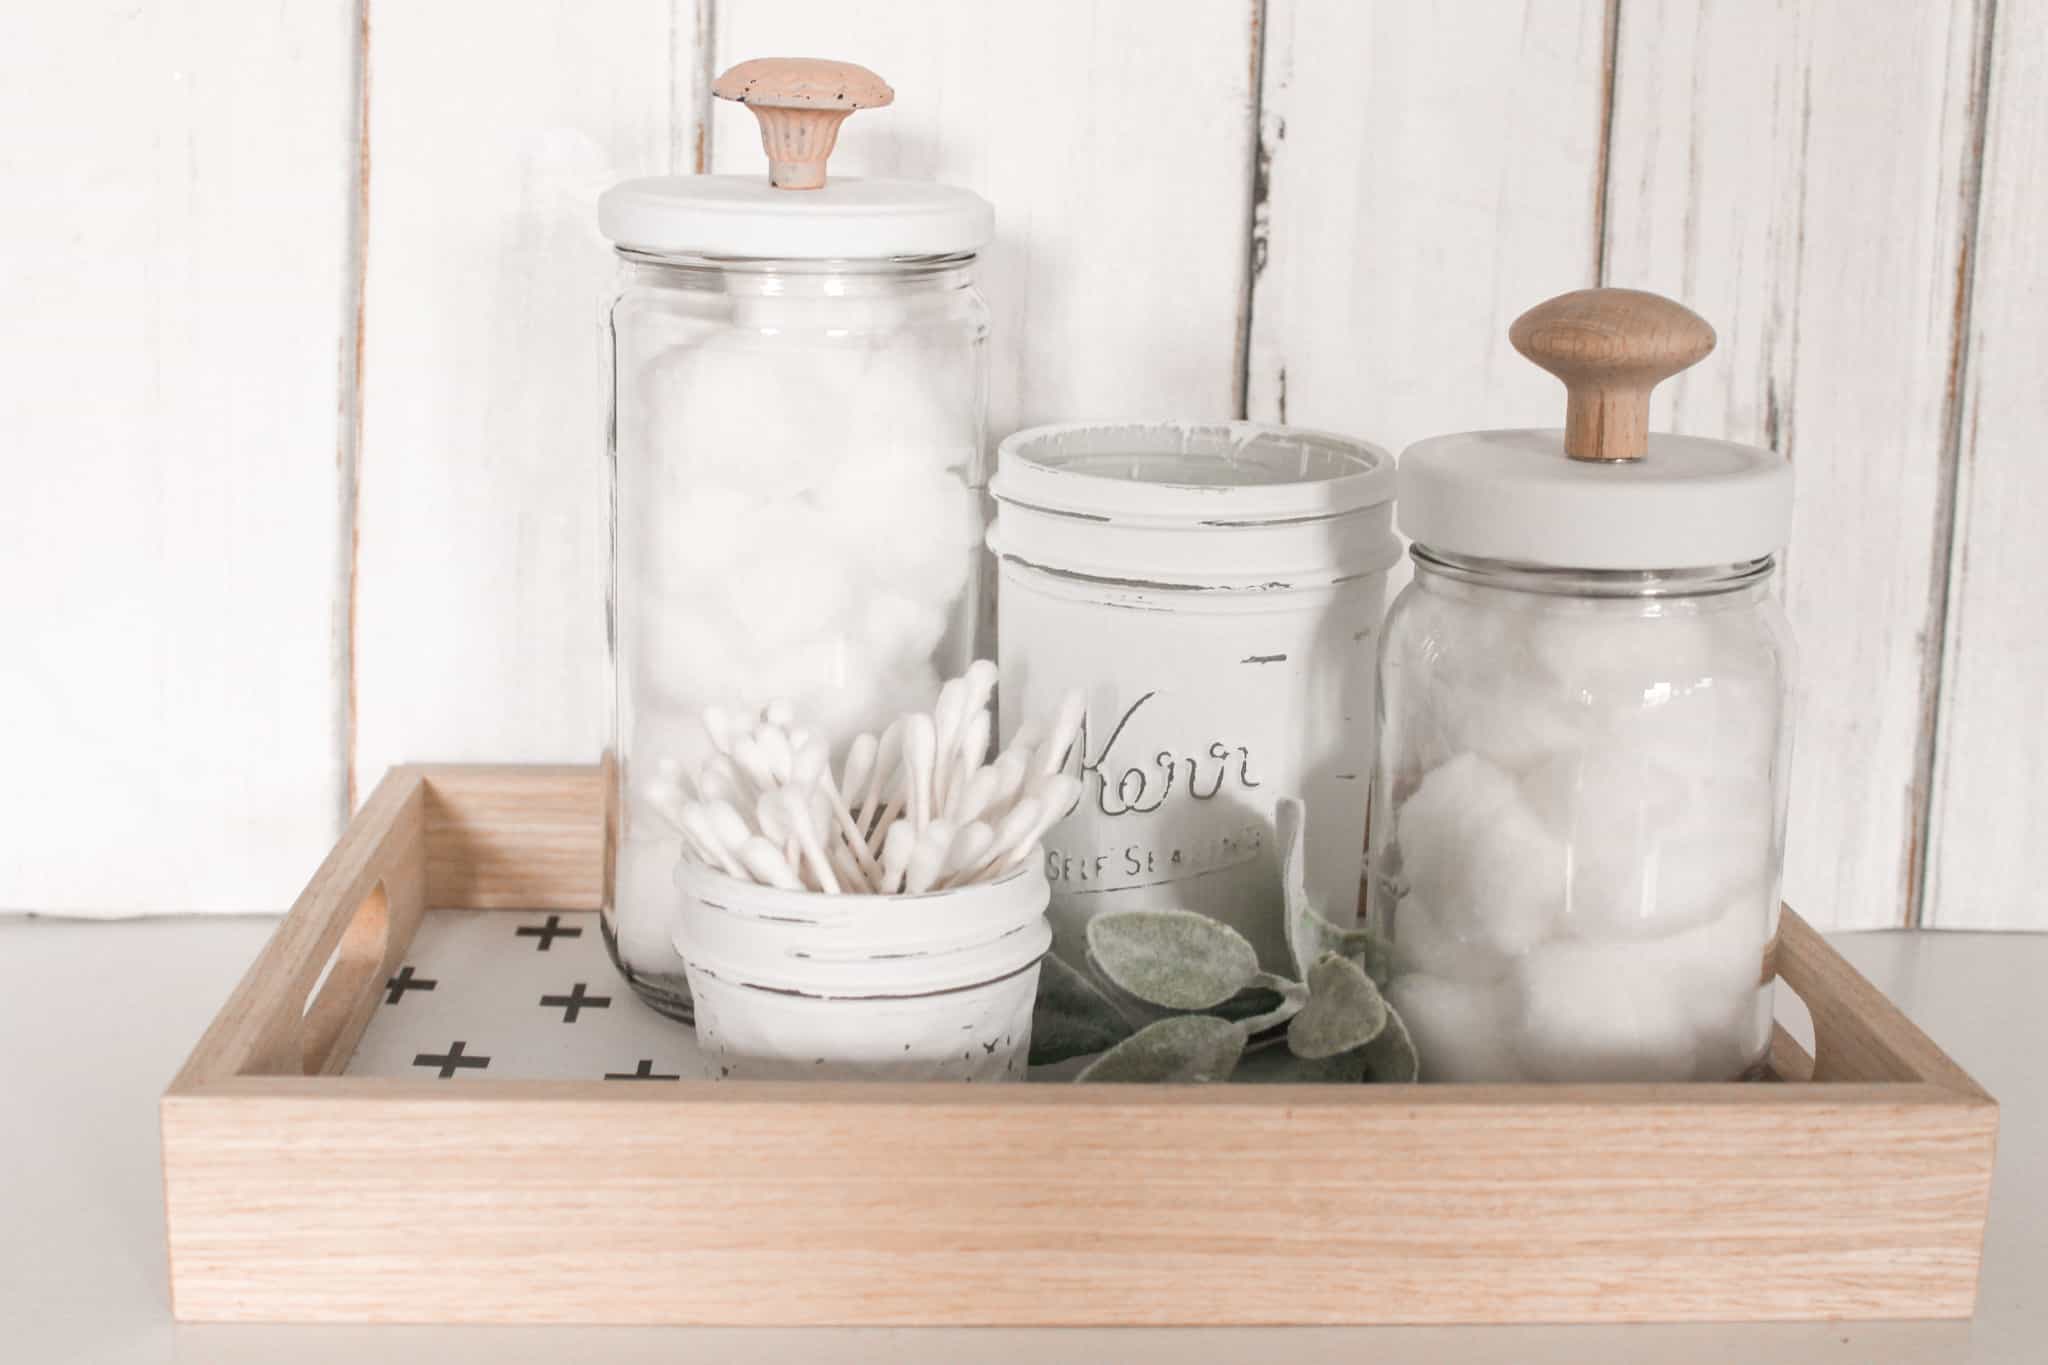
302	427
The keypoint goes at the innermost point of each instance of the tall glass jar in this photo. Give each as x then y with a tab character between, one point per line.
797	414
1578	809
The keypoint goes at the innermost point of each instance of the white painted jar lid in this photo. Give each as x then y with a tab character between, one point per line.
743	216
1224	505
1689	502
1600	493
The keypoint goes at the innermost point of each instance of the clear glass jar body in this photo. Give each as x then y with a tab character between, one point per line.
798	465
1578	818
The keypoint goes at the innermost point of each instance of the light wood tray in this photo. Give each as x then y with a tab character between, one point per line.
1856	1189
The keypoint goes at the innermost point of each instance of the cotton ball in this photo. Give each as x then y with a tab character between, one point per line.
1473	851
645	901
1620	815
916	533
1457	1027
793	584
1424	944
746	413
1624	655
1735	1039
902	628
1726	840
916	405
1724	726
687	656
1471	661
1591	1012
1715	962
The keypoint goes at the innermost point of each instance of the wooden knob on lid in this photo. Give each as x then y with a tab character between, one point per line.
1610	347
800	102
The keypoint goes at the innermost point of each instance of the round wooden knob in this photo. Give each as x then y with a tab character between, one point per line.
800	102
1610	347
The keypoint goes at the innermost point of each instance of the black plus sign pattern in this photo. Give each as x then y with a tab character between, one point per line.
451	1060
576	1002
548	933
538	1005
397	986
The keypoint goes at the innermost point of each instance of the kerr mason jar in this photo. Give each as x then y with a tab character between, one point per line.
1214	592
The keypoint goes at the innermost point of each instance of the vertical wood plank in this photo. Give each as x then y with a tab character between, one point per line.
1988	861
1115	143
173	309
481	515
1427	172
1430	171
1798	174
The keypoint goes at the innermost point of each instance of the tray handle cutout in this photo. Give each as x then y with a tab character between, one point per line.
343	985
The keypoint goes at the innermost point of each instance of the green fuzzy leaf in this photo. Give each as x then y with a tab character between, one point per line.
1310	934
1344	1010
1390	1059
1175	959
1267	1003
1071	1017
1186	1048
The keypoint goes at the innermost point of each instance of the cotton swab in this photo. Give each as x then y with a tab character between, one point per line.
928	859
1066	727
921	806
766	863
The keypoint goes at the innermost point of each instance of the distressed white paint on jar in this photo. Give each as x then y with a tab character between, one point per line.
793	985
1214	592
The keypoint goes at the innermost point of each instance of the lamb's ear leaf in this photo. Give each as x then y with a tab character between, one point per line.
1344	1011
1185	1048
1390	1059
1071	1017
1310	933
1175	959
1267	1003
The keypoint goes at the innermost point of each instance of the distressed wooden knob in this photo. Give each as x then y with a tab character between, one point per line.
800	102
1610	347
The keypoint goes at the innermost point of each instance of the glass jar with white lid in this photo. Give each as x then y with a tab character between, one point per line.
799	381
1584	730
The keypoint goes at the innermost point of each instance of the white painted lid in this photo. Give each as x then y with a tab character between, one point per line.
849	218
1689	502
1221	505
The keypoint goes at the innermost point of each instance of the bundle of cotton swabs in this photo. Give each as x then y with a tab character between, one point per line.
916	809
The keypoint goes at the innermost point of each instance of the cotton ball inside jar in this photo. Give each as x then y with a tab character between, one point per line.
1426	945
1592	1012
908	531
1620	654
1478	696
746	413
1457	1027
1615	809
1476	854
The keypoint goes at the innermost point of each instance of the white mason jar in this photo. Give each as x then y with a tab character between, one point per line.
1214	593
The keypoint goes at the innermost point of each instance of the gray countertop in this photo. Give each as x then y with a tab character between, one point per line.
97	1016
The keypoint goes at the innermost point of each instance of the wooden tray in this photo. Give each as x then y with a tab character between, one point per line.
1857	1189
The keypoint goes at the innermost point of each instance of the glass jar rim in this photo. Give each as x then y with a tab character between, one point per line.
1544	580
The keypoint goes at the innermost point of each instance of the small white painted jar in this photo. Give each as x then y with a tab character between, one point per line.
1585	695
1214	593
795	985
